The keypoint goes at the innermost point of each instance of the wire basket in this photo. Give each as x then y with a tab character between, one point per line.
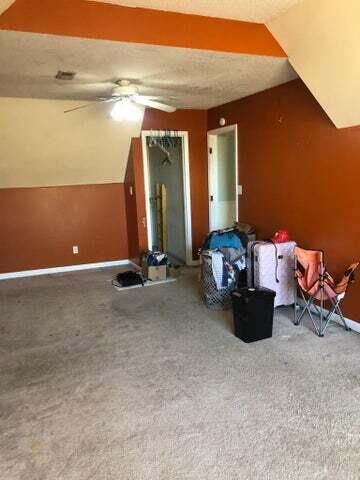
214	299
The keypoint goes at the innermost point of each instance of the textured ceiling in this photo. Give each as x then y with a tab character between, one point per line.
185	77
259	11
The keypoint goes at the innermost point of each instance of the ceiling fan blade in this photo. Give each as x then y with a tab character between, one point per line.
152	104
107	100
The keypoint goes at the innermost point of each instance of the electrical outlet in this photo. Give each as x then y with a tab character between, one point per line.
75	250
239	190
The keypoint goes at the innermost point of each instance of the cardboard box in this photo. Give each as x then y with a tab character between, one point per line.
156	274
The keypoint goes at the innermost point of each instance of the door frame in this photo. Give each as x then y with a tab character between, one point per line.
186	182
212	152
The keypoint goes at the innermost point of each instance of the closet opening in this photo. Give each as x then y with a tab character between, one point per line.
167	194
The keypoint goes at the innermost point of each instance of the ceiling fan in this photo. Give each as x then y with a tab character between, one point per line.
125	97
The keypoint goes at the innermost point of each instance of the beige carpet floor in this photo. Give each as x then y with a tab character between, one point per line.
150	385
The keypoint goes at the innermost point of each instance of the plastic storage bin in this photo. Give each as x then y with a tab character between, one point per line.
253	313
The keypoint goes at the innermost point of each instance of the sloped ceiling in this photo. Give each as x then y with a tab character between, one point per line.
104	21
322	41
5	4
247	10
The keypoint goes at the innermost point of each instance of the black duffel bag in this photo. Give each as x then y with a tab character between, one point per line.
129	278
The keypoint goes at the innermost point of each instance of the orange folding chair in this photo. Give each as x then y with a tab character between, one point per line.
317	287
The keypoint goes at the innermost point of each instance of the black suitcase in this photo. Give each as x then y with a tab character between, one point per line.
253	313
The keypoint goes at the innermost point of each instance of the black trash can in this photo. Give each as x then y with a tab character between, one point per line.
253	313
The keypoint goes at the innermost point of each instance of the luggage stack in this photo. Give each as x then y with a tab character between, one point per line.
271	265
270	278
264	281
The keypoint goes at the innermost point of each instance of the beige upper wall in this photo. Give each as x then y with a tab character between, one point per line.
41	146
5	4
322	40
258	11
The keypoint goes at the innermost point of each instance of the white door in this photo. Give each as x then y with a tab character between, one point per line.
223	178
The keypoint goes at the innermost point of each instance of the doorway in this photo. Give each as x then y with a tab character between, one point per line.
223	177
167	194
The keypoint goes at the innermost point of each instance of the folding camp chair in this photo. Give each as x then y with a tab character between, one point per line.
317	287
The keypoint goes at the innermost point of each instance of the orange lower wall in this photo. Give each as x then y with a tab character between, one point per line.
39	226
299	172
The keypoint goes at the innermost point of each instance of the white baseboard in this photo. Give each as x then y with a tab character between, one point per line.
68	268
355	326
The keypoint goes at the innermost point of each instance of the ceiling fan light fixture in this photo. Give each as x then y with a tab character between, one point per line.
126	110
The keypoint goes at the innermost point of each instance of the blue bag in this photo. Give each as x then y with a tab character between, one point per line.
225	240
